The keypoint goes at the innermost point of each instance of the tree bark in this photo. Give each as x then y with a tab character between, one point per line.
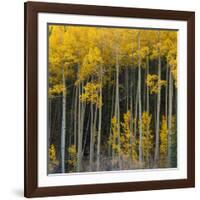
79	154
86	133
71	136
170	118
136	112
110	149
147	97
117	109
75	116
131	121
166	92
127	89
99	125
157	145
140	103
63	129
91	138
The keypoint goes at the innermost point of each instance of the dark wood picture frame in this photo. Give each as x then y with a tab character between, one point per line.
31	188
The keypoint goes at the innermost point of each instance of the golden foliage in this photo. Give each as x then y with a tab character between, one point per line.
147	137
52	152
126	133
90	47
91	63
113	138
126	147
83	51
91	94
154	83
53	162
127	140
163	136
57	89
72	158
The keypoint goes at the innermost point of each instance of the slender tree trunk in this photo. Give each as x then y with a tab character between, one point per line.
81	114
79	155
157	149
155	112
75	116
140	103
91	138
147	97
99	125
55	118
136	113
145	82
83	105
131	92
166	105
72	117
63	130
110	150
131	121
79	132
95	121
86	134
117	109
170	118
127	90
144	90
166	92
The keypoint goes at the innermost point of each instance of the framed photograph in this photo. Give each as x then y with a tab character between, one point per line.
109	99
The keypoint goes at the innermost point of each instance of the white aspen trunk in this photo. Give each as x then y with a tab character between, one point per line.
166	92
127	90
55	118
144	91
79	154
155	112
95	121
91	139
140	103
117	109
86	133
83	105
136	112
75	117
147	61
157	145
166	105
71	136
131	93
170	118
63	124
99	125
147	87
110	150
131	122
81	123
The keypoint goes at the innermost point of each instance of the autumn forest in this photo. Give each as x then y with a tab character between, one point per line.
112	99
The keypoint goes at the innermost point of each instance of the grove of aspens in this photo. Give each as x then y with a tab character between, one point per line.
112	99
